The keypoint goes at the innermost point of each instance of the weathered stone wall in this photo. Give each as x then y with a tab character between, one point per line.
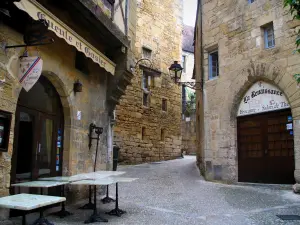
188	132
159	27
59	68
234	28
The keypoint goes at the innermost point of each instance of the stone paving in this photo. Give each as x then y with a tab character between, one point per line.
172	192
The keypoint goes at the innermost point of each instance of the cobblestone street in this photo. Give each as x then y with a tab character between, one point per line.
172	192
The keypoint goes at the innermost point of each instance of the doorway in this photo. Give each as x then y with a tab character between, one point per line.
38	136
266	148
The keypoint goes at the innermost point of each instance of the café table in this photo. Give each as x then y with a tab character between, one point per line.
28	202
45	184
95	217
93	176
63	212
117	211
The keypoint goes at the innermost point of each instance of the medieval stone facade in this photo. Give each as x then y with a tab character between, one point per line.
148	117
53	113
237	35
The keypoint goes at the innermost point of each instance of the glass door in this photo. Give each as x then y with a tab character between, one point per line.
45	151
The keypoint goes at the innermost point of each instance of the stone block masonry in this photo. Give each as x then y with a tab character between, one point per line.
143	133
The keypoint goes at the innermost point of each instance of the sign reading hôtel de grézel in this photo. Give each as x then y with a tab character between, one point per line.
37	11
262	97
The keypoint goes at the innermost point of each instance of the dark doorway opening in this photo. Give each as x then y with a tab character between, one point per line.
38	136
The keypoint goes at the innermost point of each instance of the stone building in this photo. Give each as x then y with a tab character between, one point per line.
148	117
49	124
188	122
248	126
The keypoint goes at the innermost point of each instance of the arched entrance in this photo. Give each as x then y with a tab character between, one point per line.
265	136
38	132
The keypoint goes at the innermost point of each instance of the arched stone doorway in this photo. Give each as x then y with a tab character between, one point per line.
39	129
265	136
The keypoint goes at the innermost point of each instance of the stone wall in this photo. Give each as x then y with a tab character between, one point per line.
235	29
188	132
159	28
60	70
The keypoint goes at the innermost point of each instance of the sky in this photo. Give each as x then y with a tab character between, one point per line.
189	12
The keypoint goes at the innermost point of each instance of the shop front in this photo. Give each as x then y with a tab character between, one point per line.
49	107
265	136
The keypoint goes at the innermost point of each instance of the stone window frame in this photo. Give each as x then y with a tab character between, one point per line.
268	32
143	132
162	134
146	52
146	87
210	77
166	104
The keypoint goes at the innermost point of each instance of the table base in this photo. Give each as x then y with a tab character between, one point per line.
95	218
116	212
107	199
42	221
62	213
88	206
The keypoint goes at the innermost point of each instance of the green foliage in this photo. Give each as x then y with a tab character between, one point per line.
190	104
294	8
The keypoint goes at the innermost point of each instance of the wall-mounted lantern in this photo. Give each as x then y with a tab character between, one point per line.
175	71
77	86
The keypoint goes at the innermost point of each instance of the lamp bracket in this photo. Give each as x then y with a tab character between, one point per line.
192	84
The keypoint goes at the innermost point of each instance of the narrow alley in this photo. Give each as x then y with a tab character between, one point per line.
171	192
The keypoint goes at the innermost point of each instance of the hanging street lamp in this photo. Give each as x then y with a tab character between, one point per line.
175	71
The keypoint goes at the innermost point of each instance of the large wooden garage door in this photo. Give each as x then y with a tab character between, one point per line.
266	148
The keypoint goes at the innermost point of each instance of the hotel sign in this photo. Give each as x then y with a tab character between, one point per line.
37	11
262	97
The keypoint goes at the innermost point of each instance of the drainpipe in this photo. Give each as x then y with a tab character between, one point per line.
126	16
201	93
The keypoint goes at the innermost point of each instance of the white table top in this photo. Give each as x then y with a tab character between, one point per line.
28	201
89	176
61	179
40	184
111	173
123	179
103	181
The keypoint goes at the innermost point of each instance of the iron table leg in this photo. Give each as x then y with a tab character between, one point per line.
42	220
89	205
107	199
95	217
24	218
63	212
116	211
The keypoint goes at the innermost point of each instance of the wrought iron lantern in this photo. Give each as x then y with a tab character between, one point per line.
77	86
175	71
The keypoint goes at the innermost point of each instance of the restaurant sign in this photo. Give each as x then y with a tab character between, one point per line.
37	11
262	97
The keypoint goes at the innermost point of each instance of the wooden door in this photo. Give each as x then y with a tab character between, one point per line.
266	148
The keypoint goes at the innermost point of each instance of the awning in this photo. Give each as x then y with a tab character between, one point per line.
37	11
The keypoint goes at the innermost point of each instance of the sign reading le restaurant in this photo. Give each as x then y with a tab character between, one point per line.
37	11
262	97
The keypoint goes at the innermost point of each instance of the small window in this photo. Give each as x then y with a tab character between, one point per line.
250	1
184	63
81	63
145	81
213	65
162	134
143	133
269	36
147	53
146	99
164	104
